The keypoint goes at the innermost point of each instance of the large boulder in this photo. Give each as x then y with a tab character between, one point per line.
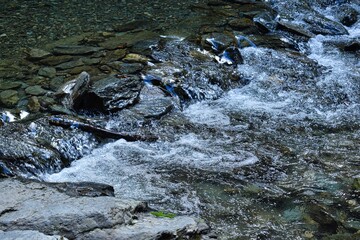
46	212
111	94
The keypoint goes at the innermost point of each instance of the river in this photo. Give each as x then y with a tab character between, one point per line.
273	159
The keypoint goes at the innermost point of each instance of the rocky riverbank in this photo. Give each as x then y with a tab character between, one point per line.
35	210
133	80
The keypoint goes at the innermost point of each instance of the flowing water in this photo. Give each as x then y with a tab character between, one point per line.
265	157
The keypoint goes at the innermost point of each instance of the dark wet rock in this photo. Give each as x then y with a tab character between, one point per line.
356	184
298	17
114	43
111	94
321	25
327	222
59	109
98	131
217	42
295	27
250	8
48	72
56	60
191	78
343	236
83	217
28	235
26	158
130	25
127	40
153	107
6	85
353	46
347	15
144	46
9	98
92	40
35	90
274	41
9	69
345	44
35	148
38	80
93	71
91	61
70	64
231	56
72	90
116	55
36	54
34	104
265	21
126	68
75	50
56	82
241	23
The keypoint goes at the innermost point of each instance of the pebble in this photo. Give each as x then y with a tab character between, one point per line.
49	72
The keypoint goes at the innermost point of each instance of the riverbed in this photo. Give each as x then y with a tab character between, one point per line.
275	158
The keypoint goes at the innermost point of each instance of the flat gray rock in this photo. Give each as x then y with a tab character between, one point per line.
75	49
28	235
46	213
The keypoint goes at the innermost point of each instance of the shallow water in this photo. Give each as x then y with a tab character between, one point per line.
265	160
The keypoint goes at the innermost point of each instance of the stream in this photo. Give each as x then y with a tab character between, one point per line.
272	159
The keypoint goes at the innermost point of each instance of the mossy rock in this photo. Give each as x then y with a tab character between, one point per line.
9	98
356	184
162	214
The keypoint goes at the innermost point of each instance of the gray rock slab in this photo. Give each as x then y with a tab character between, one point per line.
34	209
35	206
28	235
148	227
35	53
75	49
35	90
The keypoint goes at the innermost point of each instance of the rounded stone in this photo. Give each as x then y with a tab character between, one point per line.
35	90
9	98
48	72
33	104
35	53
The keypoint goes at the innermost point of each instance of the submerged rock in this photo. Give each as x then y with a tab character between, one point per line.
9	98
35	90
75	49
36	54
346	15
